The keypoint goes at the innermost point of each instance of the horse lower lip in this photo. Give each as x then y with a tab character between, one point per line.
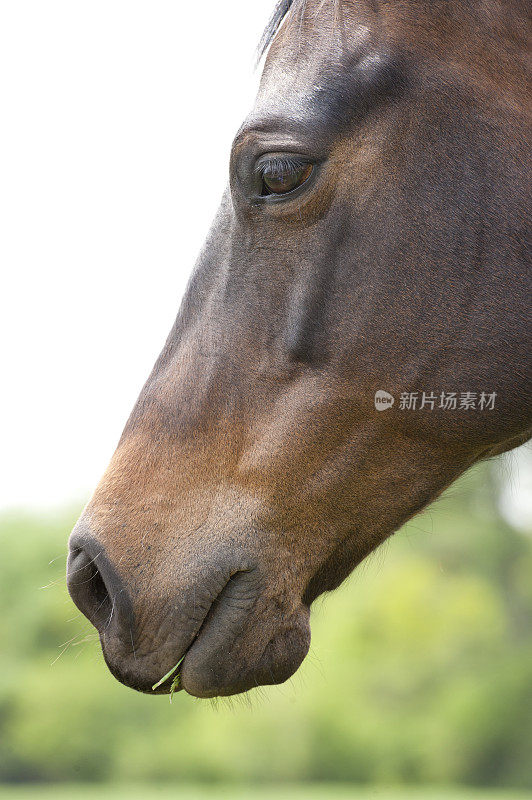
215	645
215	606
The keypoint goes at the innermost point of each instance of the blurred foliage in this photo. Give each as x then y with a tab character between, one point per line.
220	791
420	671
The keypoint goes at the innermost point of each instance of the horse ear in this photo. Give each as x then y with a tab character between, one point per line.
281	10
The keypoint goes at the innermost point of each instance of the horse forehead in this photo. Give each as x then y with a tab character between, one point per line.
315	47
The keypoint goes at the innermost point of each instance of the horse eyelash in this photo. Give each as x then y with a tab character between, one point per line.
280	166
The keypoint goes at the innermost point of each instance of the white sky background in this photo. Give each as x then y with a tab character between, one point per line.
116	120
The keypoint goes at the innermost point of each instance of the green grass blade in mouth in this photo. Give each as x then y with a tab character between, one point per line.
175	684
169	674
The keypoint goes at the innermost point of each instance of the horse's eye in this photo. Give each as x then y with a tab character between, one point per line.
281	176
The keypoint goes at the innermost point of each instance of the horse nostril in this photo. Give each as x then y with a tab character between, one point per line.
87	587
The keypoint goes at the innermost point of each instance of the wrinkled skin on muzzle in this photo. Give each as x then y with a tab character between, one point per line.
255	471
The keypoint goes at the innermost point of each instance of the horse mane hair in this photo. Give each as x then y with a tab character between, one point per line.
281	10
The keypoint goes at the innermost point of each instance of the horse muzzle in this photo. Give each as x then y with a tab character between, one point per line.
220	616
